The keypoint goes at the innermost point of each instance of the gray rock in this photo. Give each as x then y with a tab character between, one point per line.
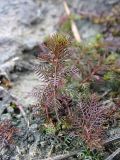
8	47
22	24
23	66
2	92
86	28
8	66
10	109
3	74
5	99
112	2
97	6
23	87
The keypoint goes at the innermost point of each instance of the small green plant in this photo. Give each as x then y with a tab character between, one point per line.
89	117
52	71
91	155
66	96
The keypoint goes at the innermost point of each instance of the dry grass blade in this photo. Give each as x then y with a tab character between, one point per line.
114	155
63	156
73	24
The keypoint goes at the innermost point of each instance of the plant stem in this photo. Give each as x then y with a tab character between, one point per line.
55	103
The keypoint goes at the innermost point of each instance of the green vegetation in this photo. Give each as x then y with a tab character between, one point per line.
70	104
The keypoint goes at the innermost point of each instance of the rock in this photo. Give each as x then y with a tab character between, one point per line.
8	66
86	28
10	109
23	87
112	2
8	48
23	66
96	6
5	99
19	30
14	77
2	93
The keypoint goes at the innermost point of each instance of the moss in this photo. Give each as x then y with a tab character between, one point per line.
111	58
66	26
